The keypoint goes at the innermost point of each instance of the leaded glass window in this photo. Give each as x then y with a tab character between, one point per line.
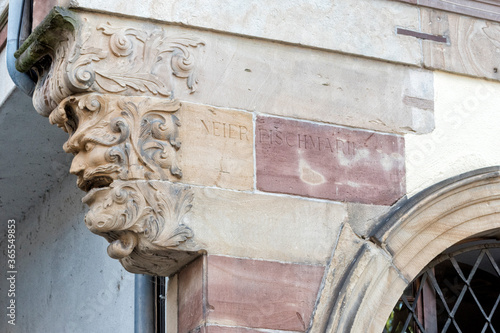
459	291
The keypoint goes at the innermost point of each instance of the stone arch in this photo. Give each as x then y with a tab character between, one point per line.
362	286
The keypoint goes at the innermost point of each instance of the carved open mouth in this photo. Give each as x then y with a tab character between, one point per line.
95	182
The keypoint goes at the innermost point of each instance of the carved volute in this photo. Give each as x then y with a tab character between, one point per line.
111	88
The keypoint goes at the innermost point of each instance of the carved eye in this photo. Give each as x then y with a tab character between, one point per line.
89	146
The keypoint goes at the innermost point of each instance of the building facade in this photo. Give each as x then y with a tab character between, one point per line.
301	166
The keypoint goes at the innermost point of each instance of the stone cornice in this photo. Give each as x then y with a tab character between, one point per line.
111	86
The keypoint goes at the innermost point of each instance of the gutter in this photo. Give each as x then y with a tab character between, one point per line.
17	16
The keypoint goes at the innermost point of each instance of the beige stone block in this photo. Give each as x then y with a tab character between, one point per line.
316	85
473	46
462	207
335	25
261	226
385	288
487	9
217	147
282	79
346	250
360	288
172	304
363	218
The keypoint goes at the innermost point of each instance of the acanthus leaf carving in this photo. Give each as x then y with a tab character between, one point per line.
144	57
141	220
154	49
111	59
119	137
142	82
125	151
111	89
492	32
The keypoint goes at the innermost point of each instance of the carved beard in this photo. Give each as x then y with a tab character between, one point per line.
144	223
101	176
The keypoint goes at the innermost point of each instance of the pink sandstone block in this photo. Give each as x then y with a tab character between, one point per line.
3	38
329	162
261	294
191	296
41	8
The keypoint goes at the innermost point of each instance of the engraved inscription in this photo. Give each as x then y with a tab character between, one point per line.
217	147
225	130
306	141
328	162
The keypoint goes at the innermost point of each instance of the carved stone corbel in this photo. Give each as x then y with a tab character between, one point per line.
118	137
111	89
143	221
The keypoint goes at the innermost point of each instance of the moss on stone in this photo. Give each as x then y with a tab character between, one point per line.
45	37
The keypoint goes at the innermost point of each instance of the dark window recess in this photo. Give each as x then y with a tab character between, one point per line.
160	305
458	292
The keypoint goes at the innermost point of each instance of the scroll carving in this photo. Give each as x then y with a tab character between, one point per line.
125	157
111	88
120	138
147	55
110	59
142	220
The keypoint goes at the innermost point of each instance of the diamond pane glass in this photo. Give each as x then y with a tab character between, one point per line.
458	292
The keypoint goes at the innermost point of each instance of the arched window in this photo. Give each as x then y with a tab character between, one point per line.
459	291
443	239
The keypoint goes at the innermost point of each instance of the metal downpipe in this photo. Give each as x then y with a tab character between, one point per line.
144	304
22	80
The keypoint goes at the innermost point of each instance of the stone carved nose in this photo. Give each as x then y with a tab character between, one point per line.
77	166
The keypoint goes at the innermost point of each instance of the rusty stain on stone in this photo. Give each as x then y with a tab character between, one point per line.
422	35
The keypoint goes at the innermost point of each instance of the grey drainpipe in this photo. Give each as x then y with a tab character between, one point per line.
144	299
144	311
22	80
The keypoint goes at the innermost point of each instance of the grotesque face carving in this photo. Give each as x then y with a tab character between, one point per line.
123	131
116	138
125	152
93	165
96	163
